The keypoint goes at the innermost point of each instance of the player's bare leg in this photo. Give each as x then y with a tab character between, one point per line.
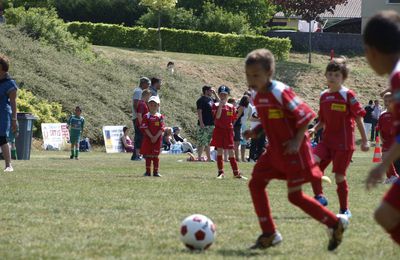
200	149
7	157
388	217
208	153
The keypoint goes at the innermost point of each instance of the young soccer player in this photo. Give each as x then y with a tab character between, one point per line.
338	109
153	127
76	122
224	116
8	110
386	132
284	119
382	49
141	110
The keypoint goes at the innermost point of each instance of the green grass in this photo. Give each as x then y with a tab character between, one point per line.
102	207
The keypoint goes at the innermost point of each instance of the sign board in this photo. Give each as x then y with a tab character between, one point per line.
55	136
112	139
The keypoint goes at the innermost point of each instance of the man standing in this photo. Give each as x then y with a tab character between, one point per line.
368	117
375	117
144	83
206	121
155	86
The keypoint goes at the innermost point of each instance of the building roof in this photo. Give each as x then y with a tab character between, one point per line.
351	10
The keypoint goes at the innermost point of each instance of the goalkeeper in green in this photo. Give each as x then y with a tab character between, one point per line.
75	125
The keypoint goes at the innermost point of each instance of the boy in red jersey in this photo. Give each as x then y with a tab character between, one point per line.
153	127
222	138
382	49
338	109
142	107
284	119
386	132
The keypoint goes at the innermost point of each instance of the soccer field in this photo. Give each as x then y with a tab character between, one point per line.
102	207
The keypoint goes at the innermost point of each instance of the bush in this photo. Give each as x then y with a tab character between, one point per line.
179	40
274	28
178	18
43	24
44	111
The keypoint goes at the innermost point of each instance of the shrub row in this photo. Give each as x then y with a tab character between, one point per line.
179	40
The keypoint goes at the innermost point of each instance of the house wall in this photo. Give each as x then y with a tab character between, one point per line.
291	22
370	7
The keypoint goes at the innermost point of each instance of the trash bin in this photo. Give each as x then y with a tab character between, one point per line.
24	140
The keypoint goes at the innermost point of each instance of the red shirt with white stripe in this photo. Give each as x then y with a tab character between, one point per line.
337	110
281	114
228	116
386	130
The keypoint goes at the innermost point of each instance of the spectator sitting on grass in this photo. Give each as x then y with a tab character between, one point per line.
126	141
168	139
186	146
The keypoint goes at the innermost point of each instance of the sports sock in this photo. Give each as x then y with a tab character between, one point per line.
72	152
261	205
156	162
76	152
13	154
148	165
234	165
317	186
313	208
220	164
395	234
343	194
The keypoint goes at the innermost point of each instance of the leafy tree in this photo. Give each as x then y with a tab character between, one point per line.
178	18
159	6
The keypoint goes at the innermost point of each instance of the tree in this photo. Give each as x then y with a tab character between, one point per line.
309	10
159	6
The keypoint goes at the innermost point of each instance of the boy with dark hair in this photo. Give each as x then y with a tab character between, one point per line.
339	109
8	110
76	123
222	138
284	119
382	49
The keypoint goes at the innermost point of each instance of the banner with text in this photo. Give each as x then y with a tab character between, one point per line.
55	136
112	139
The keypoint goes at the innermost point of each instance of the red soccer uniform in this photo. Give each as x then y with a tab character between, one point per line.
337	111
142	109
154	123
386	130
223	131
281	113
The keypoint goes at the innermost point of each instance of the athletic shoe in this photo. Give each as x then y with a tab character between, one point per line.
71	157
391	180
322	200
146	174
346	212
265	240
336	233
157	174
137	158
240	176
220	175
76	158
9	169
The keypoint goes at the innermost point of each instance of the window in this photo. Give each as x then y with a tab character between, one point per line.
393	1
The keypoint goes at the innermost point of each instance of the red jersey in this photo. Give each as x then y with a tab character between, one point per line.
142	109
154	123
281	113
395	88
228	116
386	130
337	111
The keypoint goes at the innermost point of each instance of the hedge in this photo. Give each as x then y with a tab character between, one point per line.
179	40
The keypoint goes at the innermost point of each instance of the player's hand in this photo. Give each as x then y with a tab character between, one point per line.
247	134
153	139
223	102
365	146
375	176
202	125
292	146
213	91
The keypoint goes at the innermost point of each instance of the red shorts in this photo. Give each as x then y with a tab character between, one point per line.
393	195
264	170
339	158
222	138
148	148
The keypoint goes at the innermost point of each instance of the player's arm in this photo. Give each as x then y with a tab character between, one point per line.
239	114
148	133
13	101
216	97
293	145
318	126
361	129
219	110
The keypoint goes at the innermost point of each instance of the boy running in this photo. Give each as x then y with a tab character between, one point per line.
284	119
153	127
75	124
338	109
382	49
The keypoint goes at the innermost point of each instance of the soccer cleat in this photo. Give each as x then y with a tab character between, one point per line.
346	212
146	174
322	200
336	233
265	240
240	176
157	174
71	157
220	175
9	169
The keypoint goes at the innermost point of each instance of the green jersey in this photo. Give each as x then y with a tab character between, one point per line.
76	125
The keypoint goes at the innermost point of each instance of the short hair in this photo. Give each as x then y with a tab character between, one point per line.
146	92
370	102
338	64
155	81
205	88
244	101
4	63
78	108
231	100
263	57
125	128
382	32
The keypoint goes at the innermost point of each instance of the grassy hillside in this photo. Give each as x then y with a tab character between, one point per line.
104	87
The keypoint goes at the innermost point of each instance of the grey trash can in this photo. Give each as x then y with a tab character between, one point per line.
24	140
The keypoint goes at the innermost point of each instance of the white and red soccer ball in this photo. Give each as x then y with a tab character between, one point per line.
197	232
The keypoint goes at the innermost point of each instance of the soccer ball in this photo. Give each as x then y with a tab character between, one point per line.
197	232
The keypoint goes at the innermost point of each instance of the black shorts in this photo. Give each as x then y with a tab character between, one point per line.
237	133
3	140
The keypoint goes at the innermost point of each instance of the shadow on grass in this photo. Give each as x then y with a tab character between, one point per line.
247	253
